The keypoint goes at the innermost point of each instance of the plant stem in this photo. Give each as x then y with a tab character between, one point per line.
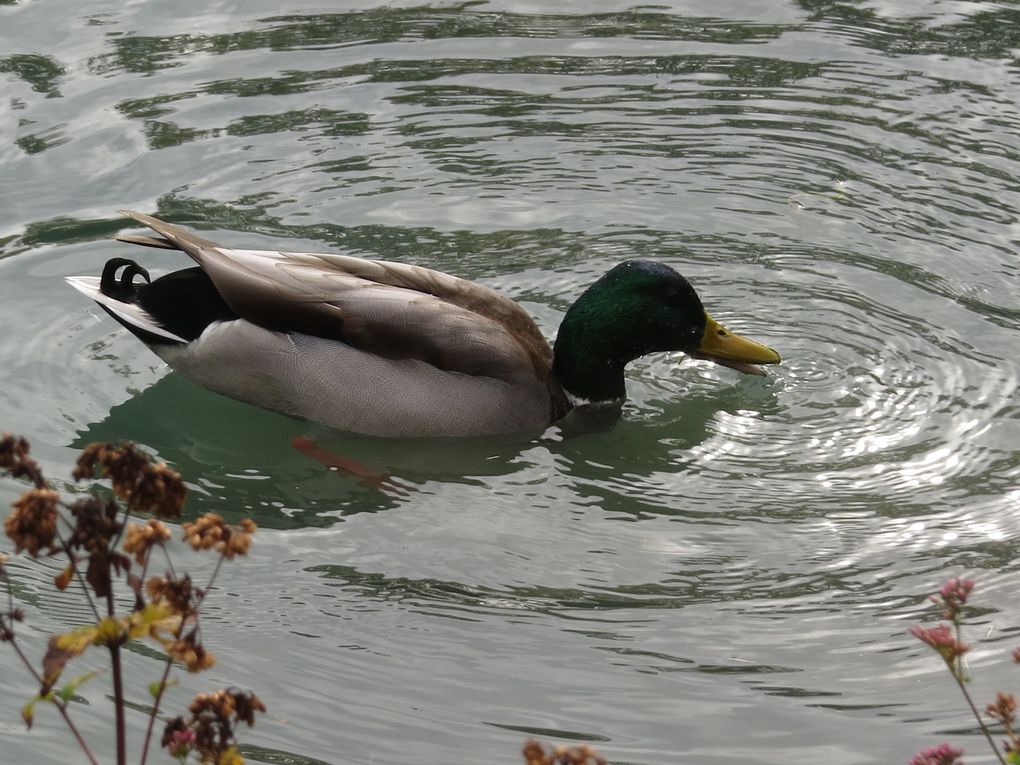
157	700
959	675
61	706
118	704
118	689
169	661
212	578
76	568
155	707
977	716
1010	733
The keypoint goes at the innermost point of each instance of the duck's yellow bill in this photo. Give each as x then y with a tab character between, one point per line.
723	347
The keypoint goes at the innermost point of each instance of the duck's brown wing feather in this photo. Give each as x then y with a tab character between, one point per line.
390	309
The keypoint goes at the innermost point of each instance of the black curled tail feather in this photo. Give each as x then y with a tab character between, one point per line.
122	289
174	308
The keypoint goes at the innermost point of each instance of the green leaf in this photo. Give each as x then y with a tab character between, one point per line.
68	690
155	687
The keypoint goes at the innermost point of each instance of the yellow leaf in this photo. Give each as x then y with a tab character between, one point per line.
139	624
230	756
109	630
155	616
75	641
28	712
62	648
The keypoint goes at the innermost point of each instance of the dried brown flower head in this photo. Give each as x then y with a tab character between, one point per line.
211	532
535	754
190	652
145	485
33	524
90	530
14	458
97	522
228	703
209	732
1003	709
177	592
141	538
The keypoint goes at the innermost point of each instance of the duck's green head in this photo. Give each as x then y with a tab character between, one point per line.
636	308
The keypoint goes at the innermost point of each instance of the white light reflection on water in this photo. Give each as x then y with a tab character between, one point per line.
734	555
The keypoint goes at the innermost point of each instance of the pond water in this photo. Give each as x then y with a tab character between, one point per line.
726	575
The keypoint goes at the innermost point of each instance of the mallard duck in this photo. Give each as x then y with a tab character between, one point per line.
390	349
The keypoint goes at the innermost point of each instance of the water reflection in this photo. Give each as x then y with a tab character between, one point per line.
41	72
230	449
836	178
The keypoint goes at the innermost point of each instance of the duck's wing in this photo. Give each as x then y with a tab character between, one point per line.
393	310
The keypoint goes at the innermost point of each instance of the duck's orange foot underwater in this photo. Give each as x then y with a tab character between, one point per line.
352	467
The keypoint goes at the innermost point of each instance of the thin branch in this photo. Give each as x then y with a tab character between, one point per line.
156	702
205	591
145	567
24	659
212	577
77	569
60	705
977	716
169	661
169	562
1010	733
959	674
124	525
10	590
158	699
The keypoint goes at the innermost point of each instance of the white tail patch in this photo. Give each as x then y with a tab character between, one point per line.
130	312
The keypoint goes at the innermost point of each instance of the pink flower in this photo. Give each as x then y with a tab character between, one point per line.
942	639
180	743
943	754
952	596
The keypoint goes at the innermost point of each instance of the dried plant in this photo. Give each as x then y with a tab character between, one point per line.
105	543
947	641
536	754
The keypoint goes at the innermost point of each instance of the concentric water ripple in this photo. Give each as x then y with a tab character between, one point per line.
737	558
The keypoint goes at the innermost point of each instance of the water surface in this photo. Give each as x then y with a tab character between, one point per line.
729	572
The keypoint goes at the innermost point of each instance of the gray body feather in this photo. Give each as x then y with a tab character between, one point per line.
351	389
